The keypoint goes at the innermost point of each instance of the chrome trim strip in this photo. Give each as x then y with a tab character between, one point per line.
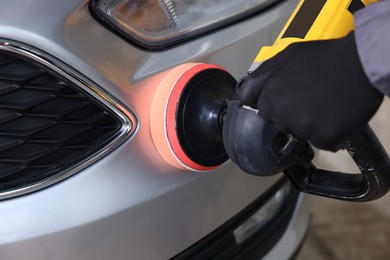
127	118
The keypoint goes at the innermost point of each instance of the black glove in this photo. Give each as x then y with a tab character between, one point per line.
316	90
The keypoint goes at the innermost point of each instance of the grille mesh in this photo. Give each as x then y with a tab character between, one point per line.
46	124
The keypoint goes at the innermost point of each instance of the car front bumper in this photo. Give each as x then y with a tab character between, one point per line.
130	203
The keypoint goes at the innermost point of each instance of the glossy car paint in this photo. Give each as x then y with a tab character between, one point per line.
131	204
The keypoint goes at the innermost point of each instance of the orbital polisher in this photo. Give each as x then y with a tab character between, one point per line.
193	107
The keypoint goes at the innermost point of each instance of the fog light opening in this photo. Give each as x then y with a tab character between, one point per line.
262	216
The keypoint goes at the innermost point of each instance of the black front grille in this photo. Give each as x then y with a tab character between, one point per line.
47	125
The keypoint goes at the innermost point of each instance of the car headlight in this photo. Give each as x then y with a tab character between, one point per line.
159	23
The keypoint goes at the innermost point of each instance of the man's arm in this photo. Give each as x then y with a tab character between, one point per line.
372	33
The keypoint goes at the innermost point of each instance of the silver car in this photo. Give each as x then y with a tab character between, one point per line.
80	177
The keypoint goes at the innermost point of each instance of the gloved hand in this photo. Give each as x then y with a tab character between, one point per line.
316	90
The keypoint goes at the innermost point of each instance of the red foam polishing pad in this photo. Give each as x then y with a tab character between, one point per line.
165	110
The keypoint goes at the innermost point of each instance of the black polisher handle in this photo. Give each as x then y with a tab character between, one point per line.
272	152
372	183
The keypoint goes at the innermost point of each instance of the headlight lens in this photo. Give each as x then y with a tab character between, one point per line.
158	23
